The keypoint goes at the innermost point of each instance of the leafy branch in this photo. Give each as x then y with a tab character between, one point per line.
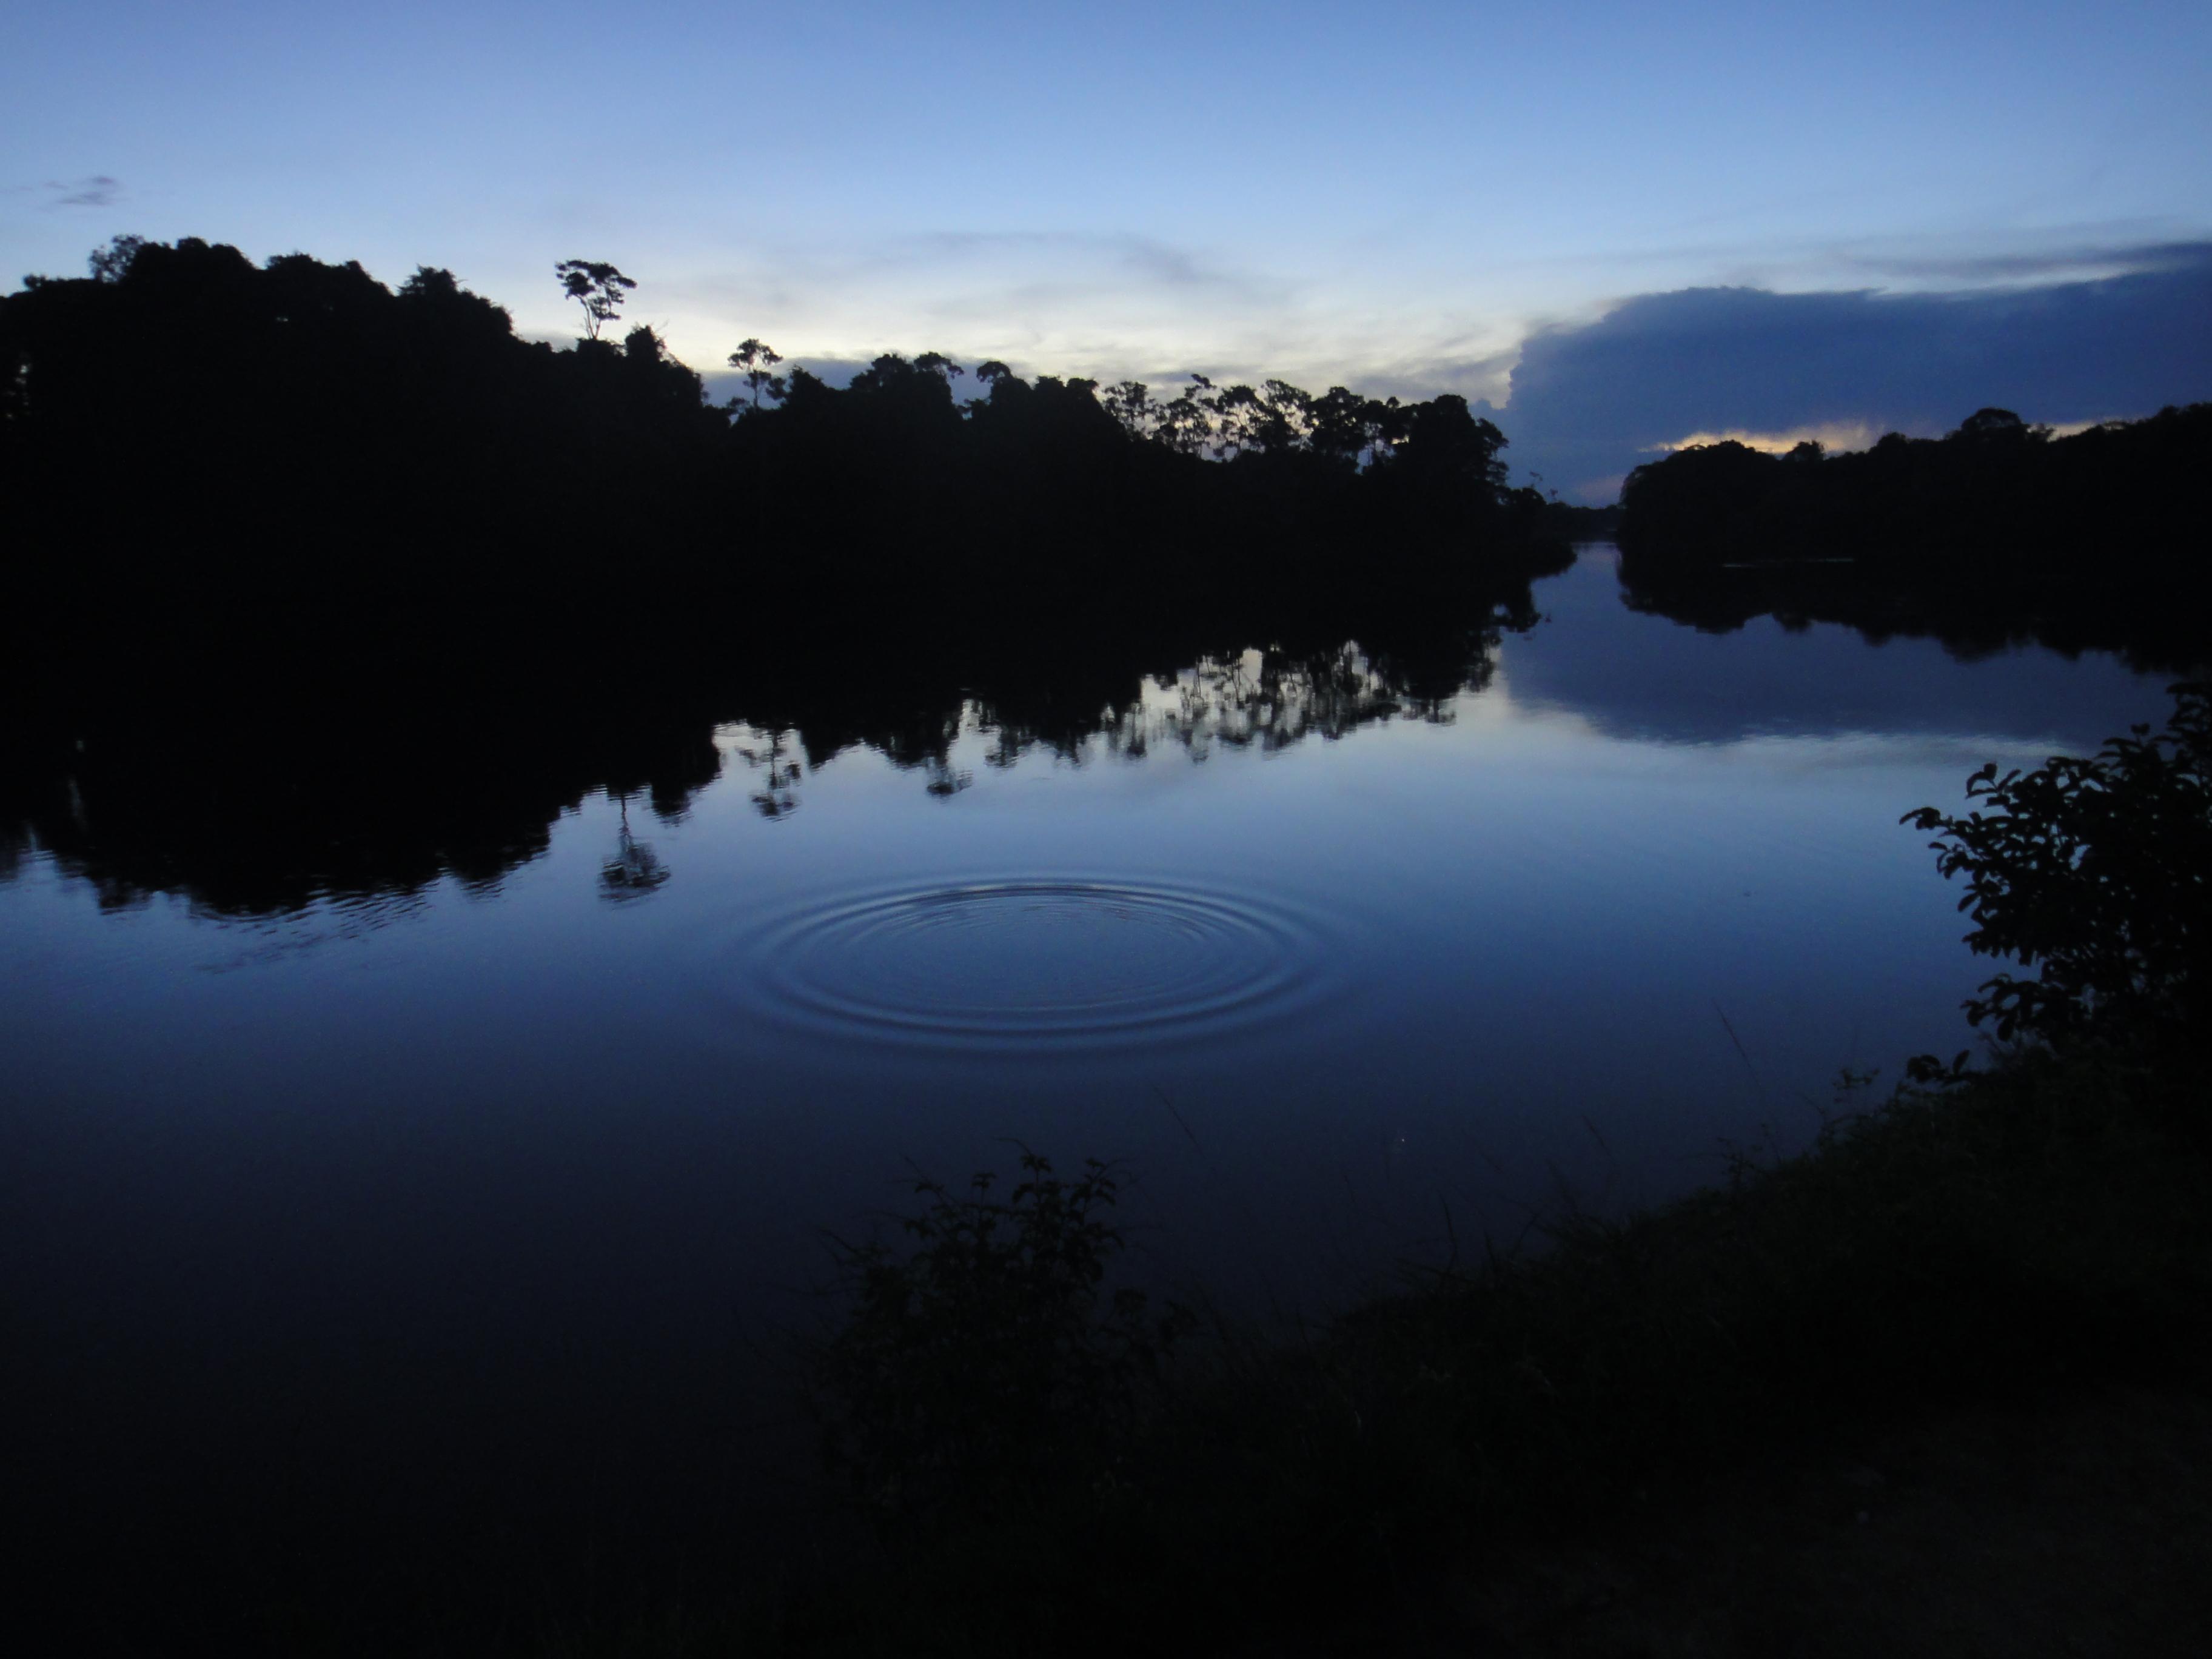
2094	871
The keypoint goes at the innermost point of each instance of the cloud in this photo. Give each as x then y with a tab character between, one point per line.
1829	435
995	287
1471	373
2080	262
97	191
1107	305
1589	401
1142	259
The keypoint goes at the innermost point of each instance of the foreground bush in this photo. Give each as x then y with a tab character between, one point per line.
983	1371
2098	872
2031	1228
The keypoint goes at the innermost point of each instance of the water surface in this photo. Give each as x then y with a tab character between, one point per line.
1344	976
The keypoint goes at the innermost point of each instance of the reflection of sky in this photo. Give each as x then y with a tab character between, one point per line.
1643	679
1647	891
1384	193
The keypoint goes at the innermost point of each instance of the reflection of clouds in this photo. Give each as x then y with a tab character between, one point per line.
1845	752
1645	678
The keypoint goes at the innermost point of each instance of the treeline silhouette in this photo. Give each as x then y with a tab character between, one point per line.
1998	532
183	426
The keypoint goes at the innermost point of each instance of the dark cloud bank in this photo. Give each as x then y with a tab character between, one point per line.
1589	403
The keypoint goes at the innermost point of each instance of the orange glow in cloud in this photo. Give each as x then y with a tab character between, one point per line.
1829	435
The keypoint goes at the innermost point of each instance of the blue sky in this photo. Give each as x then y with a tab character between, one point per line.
1396	197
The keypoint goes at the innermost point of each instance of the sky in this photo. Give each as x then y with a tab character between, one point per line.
1620	226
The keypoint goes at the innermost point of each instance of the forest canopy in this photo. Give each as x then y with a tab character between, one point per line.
316	432
1996	485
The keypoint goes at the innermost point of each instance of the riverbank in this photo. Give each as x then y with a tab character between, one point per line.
2027	1245
2076	1523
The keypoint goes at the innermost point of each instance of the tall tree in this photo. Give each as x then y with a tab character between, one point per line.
596	286
757	359
1237	413
1282	417
111	263
1185	423
1130	402
1345	426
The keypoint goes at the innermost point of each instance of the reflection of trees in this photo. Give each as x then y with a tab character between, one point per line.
1971	620
634	870
1268	699
945	780
267	817
264	817
772	756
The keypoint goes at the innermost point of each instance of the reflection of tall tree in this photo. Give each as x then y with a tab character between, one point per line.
945	780
634	870
772	754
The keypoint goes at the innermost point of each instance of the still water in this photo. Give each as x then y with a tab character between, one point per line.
1337	989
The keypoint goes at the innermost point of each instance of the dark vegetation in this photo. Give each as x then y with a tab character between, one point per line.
977	1375
2094	872
2034	1231
185	428
1997	534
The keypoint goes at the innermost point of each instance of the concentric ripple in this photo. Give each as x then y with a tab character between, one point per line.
1030	963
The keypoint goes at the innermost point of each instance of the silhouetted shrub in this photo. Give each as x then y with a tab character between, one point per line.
980	1372
2096	870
